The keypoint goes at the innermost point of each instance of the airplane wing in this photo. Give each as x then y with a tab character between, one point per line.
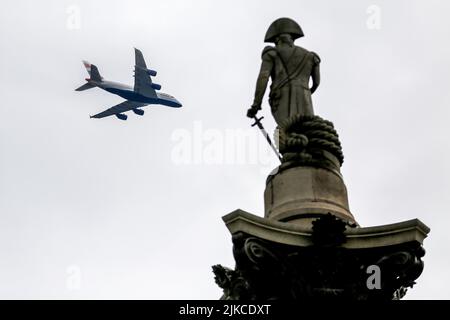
142	80
121	107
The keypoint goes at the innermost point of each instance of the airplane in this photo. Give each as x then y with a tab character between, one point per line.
142	94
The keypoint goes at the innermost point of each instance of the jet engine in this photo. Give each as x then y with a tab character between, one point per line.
151	72
139	112
121	116
156	86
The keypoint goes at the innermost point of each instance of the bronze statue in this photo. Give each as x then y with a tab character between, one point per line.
290	68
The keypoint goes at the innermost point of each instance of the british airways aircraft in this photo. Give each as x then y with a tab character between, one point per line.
143	93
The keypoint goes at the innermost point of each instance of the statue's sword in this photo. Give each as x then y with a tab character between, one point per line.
266	135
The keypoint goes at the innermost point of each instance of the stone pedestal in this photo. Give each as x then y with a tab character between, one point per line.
308	244
301	194
279	260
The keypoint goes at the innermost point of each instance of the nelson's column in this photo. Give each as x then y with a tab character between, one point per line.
309	244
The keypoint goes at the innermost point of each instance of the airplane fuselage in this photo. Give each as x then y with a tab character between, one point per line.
127	92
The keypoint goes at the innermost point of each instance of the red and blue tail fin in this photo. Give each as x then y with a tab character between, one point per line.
94	75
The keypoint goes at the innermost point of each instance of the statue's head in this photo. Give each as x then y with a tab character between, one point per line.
283	26
284	38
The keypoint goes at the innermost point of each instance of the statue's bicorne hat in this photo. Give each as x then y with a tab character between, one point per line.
283	25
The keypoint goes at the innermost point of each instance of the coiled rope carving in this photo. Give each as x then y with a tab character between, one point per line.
301	134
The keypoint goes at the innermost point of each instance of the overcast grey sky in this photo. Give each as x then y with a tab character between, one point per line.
103	208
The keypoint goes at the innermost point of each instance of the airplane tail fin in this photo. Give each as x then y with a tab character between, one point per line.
94	75
93	71
87	65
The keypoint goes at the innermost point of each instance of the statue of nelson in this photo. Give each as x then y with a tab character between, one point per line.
290	67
